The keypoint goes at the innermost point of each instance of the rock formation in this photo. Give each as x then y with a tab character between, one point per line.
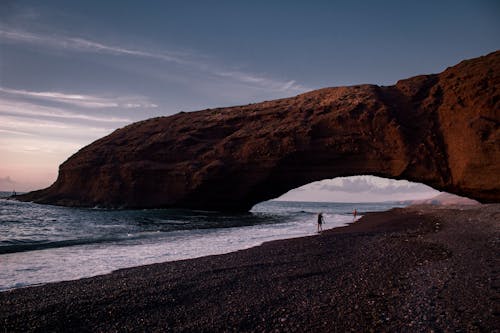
446	199
441	130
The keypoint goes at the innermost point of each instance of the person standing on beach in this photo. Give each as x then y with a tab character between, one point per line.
320	222
355	213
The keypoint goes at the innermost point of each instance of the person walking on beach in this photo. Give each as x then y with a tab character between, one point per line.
320	222
354	213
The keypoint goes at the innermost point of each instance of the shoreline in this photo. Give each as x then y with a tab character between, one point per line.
161	250
164	262
415	268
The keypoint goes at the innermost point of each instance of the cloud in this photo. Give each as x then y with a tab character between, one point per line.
370	184
27	127
13	129
86	101
15	132
87	45
359	189
290	86
184	59
30	109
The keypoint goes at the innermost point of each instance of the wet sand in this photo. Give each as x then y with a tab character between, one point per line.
415	269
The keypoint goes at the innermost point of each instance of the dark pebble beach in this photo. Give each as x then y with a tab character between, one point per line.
418	269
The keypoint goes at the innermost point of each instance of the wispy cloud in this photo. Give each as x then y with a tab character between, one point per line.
81	44
23	123
277	85
86	101
33	146
17	133
85	45
32	126
30	109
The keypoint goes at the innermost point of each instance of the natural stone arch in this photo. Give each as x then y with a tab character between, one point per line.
441	130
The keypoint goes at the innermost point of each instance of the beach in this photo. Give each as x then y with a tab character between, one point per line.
419	268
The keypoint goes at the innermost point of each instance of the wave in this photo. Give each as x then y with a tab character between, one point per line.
14	246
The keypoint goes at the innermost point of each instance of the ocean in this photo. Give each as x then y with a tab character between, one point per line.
43	243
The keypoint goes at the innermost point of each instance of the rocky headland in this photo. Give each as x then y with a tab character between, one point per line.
445	199
442	130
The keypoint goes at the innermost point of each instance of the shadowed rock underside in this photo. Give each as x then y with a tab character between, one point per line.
441	130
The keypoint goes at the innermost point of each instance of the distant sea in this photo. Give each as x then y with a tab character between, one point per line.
43	243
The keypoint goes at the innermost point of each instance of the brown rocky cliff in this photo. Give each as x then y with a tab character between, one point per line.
441	130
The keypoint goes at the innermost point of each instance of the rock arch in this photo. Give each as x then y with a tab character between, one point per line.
441	130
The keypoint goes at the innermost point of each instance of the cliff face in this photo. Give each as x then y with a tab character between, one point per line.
441	130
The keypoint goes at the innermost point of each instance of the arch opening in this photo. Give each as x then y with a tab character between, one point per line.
363	189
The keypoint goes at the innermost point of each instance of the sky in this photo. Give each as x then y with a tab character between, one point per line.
74	71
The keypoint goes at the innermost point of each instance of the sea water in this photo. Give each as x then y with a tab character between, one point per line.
43	243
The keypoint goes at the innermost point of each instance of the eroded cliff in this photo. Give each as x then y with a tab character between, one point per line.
441	130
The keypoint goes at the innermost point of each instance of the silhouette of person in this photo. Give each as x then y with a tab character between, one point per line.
320	222
355	213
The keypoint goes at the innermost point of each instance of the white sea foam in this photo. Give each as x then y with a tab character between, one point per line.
74	262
